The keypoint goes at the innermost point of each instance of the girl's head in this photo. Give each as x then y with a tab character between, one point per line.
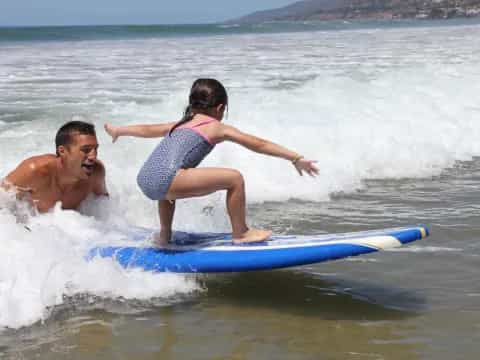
208	97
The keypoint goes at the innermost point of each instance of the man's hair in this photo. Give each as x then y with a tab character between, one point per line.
67	131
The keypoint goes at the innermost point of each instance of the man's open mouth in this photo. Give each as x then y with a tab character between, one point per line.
88	167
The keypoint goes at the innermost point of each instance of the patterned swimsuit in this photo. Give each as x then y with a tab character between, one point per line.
185	148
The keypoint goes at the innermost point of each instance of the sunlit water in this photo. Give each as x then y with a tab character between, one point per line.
390	114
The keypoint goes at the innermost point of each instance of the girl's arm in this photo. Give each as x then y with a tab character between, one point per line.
266	147
145	131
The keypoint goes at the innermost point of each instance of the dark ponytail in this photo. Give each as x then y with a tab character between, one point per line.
205	95
187	116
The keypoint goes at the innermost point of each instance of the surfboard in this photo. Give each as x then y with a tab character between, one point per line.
215	252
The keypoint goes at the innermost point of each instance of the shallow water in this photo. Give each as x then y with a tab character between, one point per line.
390	114
419	301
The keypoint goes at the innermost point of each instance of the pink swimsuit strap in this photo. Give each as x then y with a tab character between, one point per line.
198	131
205	122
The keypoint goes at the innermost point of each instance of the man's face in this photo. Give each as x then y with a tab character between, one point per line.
80	156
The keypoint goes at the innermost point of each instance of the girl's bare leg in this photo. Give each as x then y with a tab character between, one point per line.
166	209
198	182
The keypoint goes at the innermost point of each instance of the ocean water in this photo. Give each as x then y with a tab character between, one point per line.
391	114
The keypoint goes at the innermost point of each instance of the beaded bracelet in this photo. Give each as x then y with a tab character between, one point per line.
294	161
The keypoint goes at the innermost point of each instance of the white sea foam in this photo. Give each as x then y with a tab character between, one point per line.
365	104
42	266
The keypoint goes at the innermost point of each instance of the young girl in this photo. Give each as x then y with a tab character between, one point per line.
170	172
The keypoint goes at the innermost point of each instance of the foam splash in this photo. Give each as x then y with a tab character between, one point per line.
41	267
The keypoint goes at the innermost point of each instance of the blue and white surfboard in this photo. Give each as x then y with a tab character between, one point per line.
211	252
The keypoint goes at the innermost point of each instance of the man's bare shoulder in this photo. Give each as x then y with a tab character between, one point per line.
99	170
40	164
98	179
34	169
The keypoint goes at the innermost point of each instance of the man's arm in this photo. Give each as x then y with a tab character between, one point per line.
99	186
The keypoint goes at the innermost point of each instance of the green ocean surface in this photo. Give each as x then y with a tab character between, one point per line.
111	32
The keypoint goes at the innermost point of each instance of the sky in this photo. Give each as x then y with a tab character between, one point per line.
97	12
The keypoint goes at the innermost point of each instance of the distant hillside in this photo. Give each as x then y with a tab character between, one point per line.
366	9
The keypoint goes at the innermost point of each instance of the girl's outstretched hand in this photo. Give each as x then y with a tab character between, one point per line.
112	131
306	165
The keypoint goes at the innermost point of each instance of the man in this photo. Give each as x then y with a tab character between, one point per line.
69	176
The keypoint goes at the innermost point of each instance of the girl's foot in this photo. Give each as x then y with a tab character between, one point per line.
162	238
252	235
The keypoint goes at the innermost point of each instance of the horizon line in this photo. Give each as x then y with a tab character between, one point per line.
114	24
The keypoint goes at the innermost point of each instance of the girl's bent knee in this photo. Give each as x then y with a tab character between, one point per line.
236	178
